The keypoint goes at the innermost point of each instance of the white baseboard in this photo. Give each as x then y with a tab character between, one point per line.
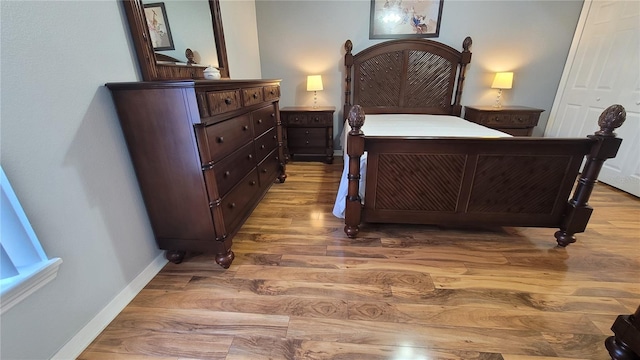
84	337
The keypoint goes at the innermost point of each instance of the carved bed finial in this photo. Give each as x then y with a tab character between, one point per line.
356	119
611	118
466	44
348	46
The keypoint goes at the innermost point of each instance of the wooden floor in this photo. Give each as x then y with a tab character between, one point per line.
299	289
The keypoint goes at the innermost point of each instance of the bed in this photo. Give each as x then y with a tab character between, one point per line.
446	171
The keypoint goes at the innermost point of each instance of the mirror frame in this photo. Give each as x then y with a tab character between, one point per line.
151	69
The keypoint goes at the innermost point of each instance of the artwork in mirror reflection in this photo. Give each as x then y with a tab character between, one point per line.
158	25
191	28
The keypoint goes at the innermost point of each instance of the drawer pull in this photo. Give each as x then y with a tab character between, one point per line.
307	142
220	139
307	132
316	119
273	115
272	92
275	137
252	182
228	101
262	147
245	128
227	173
259	121
264	170
250	157
255	96
232	205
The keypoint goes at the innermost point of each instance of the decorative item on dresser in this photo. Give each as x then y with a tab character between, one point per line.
205	153
308	132
514	120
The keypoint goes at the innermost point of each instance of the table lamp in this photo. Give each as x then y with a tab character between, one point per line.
503	80
314	83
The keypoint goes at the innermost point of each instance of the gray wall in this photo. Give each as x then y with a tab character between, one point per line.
530	38
63	151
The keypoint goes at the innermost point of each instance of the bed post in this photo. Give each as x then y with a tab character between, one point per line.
465	58
348	63
578	211
355	150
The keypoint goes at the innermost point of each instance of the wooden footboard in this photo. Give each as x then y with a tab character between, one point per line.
478	181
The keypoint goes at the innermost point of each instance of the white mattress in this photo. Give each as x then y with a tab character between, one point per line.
408	125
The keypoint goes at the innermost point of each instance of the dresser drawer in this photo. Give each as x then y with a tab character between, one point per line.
235	204
307	137
265	143
225	137
234	167
252	96
268	169
223	101
263	120
271	92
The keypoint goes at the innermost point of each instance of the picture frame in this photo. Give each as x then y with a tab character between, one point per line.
401	19
158	23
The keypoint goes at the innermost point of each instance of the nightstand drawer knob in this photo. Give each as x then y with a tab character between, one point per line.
245	128
227	173
232	205
249	156
220	139
228	101
262	147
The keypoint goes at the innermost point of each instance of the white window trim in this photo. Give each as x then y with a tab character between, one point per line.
33	271
32	281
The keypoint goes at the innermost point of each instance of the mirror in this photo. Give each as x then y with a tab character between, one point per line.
165	54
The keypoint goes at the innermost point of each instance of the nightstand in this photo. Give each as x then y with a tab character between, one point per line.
308	132
514	120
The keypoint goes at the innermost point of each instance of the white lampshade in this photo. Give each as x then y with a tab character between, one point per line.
503	80
314	82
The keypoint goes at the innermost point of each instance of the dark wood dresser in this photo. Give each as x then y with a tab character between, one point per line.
205	153
308	132
514	120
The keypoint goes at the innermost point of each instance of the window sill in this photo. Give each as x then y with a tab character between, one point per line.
24	285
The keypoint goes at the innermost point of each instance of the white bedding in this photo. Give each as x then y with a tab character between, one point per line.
405	125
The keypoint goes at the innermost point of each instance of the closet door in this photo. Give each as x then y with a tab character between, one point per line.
603	68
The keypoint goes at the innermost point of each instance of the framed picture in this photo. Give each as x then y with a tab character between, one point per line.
397	19
158	24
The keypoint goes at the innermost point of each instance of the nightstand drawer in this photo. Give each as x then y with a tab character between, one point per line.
308	119
307	137
292	119
506	120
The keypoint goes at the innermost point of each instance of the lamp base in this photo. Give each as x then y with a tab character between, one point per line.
498	104
315	100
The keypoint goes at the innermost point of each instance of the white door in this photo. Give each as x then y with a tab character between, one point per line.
603	68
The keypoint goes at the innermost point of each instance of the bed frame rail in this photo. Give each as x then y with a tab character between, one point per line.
517	181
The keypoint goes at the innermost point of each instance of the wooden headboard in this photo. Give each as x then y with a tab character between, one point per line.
408	76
